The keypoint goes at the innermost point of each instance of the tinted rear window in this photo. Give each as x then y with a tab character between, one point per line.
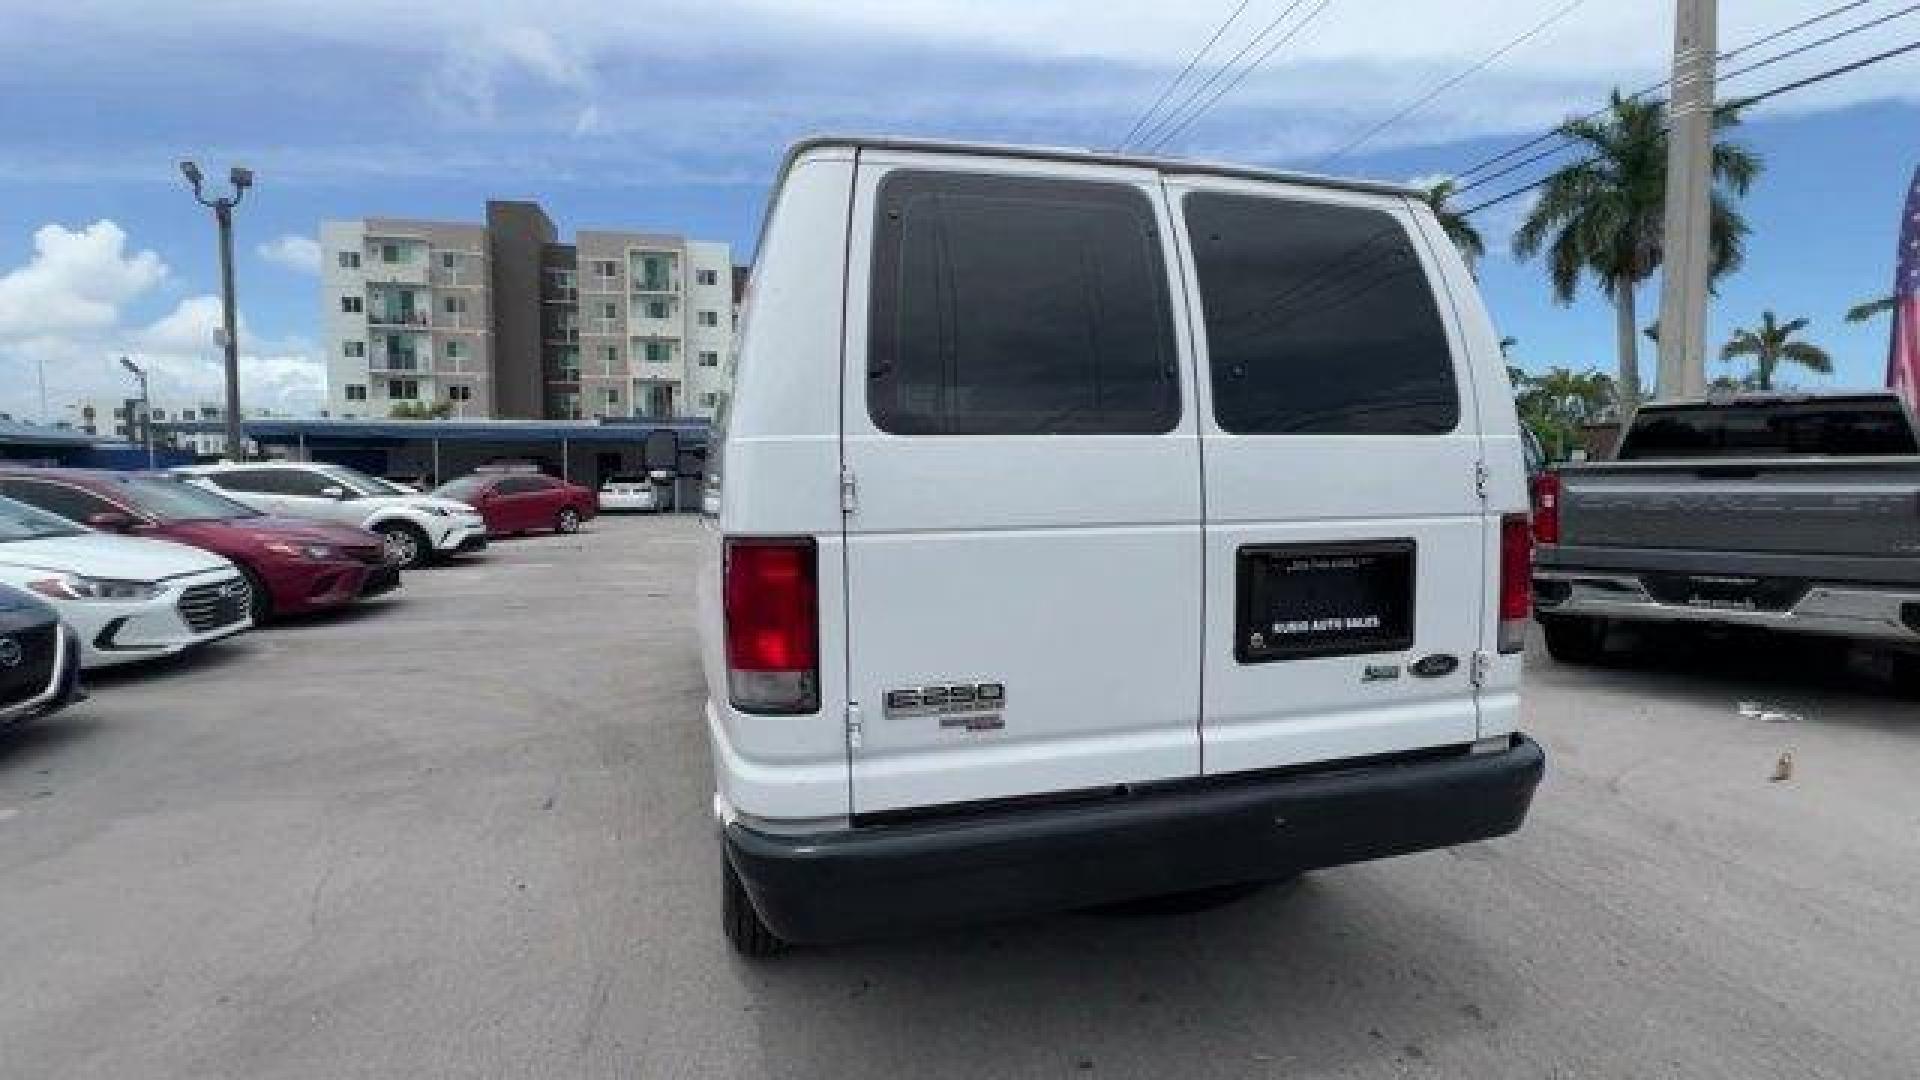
1834	429
1012	305
1319	320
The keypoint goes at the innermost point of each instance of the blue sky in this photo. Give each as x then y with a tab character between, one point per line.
666	117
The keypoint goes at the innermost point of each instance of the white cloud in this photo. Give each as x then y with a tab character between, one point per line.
75	280
66	312
293	251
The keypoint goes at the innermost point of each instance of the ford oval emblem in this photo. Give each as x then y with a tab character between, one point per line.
1435	665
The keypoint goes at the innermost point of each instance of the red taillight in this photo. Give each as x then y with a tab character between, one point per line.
772	614
1546	508
1516	581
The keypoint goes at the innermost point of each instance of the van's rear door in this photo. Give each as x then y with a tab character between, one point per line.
1345	529
1022	467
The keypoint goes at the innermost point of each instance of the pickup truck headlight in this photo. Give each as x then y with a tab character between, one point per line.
79	587
317	552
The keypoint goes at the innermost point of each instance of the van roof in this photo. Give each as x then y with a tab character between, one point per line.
1171	165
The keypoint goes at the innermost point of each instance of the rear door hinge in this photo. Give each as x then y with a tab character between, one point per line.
853	725
849	492
1481	666
1481	475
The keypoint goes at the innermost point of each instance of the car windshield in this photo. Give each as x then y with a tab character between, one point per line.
362	484
174	500
18	521
464	488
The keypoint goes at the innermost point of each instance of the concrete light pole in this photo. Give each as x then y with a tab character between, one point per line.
1683	287
222	208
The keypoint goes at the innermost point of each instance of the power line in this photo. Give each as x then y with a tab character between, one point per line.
1448	84
1193	94
1755	66
1244	72
1182	77
1820	17
1738	103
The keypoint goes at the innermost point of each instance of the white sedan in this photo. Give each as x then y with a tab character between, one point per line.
627	493
126	598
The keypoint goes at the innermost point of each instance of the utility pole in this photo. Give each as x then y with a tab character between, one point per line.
222	208
1683	286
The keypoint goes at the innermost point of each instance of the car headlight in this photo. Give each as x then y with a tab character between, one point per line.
320	552
79	587
439	511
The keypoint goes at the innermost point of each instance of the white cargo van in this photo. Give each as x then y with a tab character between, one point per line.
1085	528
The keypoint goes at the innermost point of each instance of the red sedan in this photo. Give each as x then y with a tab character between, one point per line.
293	564
521	502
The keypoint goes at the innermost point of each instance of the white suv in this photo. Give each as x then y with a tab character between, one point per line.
417	528
1137	527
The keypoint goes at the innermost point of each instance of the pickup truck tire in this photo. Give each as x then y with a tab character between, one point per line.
745	932
1575	639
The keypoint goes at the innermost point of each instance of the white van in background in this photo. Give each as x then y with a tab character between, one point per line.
1085	528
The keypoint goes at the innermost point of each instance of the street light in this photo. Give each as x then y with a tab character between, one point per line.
146	407
241	179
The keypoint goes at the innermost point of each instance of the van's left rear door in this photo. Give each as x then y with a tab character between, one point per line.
1023	546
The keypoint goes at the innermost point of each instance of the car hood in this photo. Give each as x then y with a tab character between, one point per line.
263	529
414	502
108	556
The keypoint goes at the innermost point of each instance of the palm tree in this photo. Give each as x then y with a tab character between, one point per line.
1457	227
1872	309
1603	215
1772	345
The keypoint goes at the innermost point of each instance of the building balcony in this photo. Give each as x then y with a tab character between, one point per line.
604	327
461	278
415	318
560	294
667	285
456	320
401	363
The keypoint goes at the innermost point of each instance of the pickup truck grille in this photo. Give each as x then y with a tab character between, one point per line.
214	605
27	677
1730	593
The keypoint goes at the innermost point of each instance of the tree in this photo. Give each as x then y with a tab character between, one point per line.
1457	227
1870	310
420	410
1559	401
1772	345
1603	215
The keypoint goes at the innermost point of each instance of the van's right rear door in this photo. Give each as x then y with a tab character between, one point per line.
1345	529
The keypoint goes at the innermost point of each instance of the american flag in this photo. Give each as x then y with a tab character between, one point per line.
1903	360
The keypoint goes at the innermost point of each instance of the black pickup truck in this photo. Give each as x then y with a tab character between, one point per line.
1789	513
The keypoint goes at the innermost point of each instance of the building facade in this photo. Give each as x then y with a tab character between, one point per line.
195	426
501	320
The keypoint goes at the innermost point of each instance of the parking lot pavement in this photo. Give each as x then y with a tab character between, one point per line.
466	833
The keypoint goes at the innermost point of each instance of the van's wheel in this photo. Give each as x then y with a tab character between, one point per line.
748	935
406	545
568	520
1575	639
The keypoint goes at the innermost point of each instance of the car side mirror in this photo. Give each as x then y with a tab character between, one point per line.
334	491
110	521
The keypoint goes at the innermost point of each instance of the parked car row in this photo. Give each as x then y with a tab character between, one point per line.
100	568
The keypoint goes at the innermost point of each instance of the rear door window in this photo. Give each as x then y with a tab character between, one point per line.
1018	306
1319	320
1857	428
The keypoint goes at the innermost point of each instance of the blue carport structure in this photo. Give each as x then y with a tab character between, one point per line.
431	452
33	444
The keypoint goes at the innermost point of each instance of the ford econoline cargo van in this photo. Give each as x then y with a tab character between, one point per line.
1084	528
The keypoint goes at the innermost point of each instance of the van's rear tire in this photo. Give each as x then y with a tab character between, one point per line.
745	932
1575	639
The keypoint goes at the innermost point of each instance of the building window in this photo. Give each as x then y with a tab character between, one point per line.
350	305
656	309
609	396
459	393
208	412
455	350
608	310
658	352
392	253
612	354
349	260
449	260
709	318
570	406
709	277
403	388
709	358
606	268
353	349
569	363
454	305
708	399
356	392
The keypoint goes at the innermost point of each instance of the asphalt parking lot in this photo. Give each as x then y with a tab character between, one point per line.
465	833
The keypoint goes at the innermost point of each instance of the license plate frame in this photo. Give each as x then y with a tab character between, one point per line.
1291	603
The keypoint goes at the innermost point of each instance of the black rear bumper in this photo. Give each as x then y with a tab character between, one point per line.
879	879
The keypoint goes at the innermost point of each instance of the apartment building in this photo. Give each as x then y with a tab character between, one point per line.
198	426
502	320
